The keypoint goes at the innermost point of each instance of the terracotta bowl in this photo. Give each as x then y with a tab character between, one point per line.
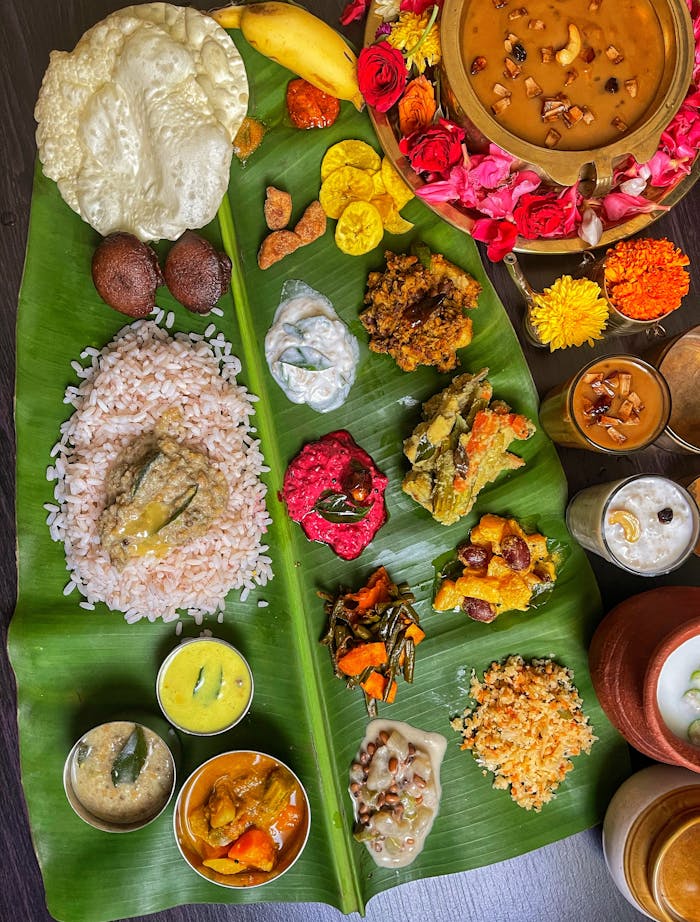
626	656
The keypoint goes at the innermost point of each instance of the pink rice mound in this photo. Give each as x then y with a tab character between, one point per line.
124	390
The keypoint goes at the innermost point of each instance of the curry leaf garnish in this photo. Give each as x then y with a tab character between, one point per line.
200	681
145	468
306	358
184	502
339	508
130	760
424	450
220	683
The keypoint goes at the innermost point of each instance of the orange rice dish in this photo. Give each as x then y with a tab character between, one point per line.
526	726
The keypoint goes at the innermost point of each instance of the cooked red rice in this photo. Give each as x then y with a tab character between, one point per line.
124	391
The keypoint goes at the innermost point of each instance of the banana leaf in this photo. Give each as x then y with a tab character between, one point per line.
77	668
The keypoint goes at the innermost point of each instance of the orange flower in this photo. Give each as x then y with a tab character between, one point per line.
645	278
416	106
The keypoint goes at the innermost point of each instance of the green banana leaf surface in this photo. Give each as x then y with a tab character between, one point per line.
77	668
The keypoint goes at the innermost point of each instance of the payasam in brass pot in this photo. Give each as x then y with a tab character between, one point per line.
571	87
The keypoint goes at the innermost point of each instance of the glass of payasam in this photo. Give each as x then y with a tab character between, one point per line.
645	524
616	404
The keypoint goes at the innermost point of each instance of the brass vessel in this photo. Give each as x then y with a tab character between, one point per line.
565	167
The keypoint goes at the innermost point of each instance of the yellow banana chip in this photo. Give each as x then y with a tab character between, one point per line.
398	225
378	183
395	185
359	229
386	207
350	153
392	220
342	186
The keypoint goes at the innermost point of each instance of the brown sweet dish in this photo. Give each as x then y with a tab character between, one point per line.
126	273
625	658
619	404
568	76
196	273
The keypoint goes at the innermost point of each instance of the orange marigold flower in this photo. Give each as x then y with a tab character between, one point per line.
646	279
417	106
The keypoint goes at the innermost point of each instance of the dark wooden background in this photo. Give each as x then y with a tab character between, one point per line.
31	28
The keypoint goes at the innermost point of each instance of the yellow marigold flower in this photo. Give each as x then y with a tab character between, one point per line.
570	313
408	34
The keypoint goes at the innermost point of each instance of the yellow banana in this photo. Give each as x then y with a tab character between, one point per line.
299	41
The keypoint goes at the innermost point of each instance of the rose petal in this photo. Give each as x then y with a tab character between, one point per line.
618	205
501	202
500	237
633	186
354	10
591	228
456	188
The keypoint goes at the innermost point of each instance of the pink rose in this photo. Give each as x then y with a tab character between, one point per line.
382	75
456	188
434	150
492	169
500	203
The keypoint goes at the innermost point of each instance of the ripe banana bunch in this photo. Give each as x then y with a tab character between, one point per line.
299	41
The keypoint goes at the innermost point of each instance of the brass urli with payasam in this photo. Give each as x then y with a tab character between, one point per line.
660	60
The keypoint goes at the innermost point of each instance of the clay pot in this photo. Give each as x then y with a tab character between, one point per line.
626	657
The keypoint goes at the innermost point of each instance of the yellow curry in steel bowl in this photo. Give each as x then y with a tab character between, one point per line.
570	87
204	686
242	819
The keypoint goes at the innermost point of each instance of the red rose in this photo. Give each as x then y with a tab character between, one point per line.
547	215
499	236
382	75
435	150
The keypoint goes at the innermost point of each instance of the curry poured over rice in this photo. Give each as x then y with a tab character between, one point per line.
143	377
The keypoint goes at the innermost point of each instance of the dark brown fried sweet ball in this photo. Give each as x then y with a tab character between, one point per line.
126	274
197	274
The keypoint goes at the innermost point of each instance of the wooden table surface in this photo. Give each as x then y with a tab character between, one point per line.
566	880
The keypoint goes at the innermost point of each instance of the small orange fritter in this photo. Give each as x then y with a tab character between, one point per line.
312	223
248	138
276	246
417	314
278	208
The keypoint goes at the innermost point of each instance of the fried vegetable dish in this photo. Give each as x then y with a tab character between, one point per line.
460	446
416	310
372	635
527	724
502	569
